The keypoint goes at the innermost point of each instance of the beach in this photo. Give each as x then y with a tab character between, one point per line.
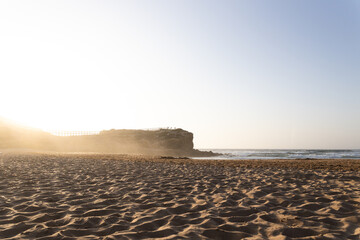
113	196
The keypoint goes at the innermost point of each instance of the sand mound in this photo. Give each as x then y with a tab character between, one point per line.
92	196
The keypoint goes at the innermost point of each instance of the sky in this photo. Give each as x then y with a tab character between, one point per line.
238	74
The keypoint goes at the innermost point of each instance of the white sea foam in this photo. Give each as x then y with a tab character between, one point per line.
284	154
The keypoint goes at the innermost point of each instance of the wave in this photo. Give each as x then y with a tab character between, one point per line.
286	154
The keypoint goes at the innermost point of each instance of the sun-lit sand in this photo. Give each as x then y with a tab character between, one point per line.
68	196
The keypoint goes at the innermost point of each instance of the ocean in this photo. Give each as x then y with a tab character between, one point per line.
283	154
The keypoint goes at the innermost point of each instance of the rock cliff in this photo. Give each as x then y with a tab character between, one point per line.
13	136
171	139
174	142
169	142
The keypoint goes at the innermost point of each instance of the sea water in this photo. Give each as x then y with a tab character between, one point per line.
283	154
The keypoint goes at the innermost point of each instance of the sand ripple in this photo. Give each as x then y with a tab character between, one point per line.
44	196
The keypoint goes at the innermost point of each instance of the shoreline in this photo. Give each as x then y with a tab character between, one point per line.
327	164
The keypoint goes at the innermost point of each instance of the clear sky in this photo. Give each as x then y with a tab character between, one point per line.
238	74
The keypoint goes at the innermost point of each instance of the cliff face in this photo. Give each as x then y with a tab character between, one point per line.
172	139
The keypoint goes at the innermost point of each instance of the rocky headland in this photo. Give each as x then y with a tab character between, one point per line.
168	142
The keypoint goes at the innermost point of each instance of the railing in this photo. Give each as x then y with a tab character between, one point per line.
88	133
74	133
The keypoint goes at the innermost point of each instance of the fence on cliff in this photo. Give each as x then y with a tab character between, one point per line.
88	133
73	133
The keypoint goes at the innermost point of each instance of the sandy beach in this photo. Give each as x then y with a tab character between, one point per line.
94	196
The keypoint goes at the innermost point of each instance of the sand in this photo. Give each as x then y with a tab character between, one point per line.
84	196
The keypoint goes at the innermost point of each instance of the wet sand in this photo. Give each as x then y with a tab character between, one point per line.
94	196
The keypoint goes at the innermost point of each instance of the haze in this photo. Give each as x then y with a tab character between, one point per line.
238	74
